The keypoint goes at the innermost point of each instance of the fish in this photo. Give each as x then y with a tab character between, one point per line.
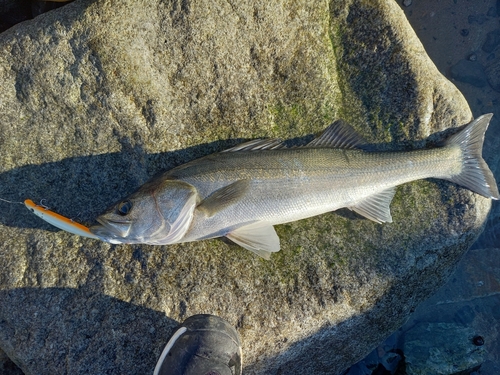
58	220
241	193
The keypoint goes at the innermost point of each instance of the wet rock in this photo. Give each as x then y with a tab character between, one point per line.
99	96
492	12
492	40
441	348
478	19
469	299
471	72
493	74
379	362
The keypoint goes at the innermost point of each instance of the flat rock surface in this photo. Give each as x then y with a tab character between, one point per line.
98	96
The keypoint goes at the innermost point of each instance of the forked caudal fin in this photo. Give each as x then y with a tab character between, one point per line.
475	174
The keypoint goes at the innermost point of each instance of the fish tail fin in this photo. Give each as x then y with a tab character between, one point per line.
475	174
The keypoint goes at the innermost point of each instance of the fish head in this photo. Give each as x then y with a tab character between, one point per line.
159	213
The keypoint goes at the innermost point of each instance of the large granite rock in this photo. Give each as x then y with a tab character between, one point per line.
99	95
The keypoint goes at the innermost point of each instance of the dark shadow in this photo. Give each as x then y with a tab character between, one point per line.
82	331
82	187
14	12
88	332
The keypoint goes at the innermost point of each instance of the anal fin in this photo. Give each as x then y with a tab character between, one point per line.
259	237
376	207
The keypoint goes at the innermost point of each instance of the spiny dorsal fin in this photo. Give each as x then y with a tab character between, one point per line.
258	144
259	237
338	135
223	197
376	207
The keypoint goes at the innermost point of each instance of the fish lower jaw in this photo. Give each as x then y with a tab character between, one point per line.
106	234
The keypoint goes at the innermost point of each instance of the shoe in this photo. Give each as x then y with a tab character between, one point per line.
202	345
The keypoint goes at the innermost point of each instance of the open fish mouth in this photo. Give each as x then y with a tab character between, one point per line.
112	231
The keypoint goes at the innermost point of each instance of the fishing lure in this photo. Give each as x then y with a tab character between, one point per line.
58	221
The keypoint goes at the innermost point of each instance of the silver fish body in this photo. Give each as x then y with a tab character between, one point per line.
242	192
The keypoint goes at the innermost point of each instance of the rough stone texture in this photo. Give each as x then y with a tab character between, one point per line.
452	350
100	95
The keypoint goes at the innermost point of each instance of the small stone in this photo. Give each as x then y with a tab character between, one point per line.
492	75
492	41
391	361
407	3
464	32
478	340
470	72
472	57
477	19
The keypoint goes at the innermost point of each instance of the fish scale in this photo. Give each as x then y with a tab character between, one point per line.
329	179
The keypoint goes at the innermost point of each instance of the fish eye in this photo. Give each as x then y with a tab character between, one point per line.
124	207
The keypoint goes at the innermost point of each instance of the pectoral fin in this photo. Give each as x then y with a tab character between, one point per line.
376	207
259	237
224	197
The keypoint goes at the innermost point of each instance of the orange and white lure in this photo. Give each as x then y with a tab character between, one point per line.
58	221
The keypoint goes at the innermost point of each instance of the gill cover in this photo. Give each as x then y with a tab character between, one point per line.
159	213
176	201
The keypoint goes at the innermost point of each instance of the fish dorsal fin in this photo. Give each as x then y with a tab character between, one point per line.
223	197
259	237
338	135
376	207
258	144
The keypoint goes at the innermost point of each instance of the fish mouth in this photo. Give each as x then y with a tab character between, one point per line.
112	231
